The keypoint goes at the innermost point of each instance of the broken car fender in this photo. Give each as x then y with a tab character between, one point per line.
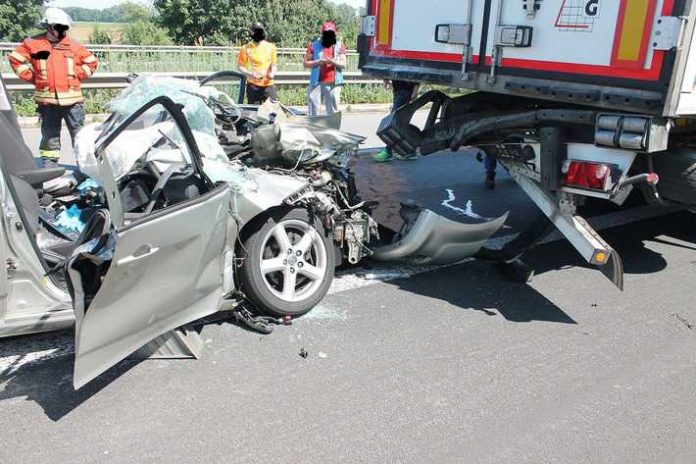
264	191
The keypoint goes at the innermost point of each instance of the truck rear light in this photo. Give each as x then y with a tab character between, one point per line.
589	175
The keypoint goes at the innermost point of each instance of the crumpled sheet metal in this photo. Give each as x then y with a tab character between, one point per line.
434	239
298	143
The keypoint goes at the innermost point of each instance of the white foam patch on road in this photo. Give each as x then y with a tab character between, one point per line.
468	209
351	279
11	364
326	312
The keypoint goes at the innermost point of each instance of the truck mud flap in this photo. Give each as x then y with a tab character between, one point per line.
428	238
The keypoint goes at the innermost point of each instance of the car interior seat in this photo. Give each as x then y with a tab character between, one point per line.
24	178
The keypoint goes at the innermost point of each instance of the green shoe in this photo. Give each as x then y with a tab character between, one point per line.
382	156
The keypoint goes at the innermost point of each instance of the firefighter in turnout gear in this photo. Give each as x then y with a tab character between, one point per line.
56	65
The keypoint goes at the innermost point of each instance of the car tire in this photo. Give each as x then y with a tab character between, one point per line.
289	263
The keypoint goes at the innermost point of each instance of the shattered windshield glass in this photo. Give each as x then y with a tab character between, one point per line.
182	91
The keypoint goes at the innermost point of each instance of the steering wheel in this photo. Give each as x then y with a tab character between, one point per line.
161	183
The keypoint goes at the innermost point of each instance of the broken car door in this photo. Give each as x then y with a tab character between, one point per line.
159	263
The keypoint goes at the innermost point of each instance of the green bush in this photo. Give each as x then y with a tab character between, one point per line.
94	101
100	36
143	32
295	95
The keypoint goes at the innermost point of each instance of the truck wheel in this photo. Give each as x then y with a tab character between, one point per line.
677	172
289	263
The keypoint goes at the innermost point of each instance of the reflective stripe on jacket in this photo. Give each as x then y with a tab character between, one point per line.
55	69
317	48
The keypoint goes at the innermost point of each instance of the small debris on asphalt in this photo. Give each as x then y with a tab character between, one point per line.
322	355
304	353
594	305
688	324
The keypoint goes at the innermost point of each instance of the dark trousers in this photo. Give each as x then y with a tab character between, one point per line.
52	117
257	95
402	92
490	164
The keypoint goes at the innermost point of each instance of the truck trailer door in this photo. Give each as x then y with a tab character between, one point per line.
591	41
439	30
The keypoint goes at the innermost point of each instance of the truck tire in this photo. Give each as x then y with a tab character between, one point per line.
283	274
677	172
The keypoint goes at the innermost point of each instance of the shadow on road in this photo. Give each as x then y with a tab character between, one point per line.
49	384
478	286
46	378
630	241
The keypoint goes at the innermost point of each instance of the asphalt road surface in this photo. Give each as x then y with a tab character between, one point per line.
453	364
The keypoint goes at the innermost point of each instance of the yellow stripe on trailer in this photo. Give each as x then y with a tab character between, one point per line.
384	22
633	30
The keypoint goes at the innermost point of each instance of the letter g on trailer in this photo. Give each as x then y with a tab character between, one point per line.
575	98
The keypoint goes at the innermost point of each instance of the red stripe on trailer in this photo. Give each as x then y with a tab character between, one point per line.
420	55
651	74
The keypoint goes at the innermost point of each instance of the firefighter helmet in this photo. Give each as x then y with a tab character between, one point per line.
55	16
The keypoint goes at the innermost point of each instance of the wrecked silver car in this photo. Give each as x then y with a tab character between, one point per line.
186	203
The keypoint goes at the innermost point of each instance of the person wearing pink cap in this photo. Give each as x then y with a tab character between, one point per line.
326	58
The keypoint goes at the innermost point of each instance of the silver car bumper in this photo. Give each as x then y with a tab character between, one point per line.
428	238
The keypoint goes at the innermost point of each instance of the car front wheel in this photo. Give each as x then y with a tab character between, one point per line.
289	263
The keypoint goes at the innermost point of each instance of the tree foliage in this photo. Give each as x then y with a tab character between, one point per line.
18	18
145	32
132	12
289	23
196	22
114	14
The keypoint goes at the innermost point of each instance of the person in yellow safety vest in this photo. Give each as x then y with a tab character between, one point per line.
258	60
56	65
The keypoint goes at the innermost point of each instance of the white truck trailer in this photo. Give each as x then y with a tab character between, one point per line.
575	98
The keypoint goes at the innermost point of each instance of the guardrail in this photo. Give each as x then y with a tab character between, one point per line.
118	80
167	59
